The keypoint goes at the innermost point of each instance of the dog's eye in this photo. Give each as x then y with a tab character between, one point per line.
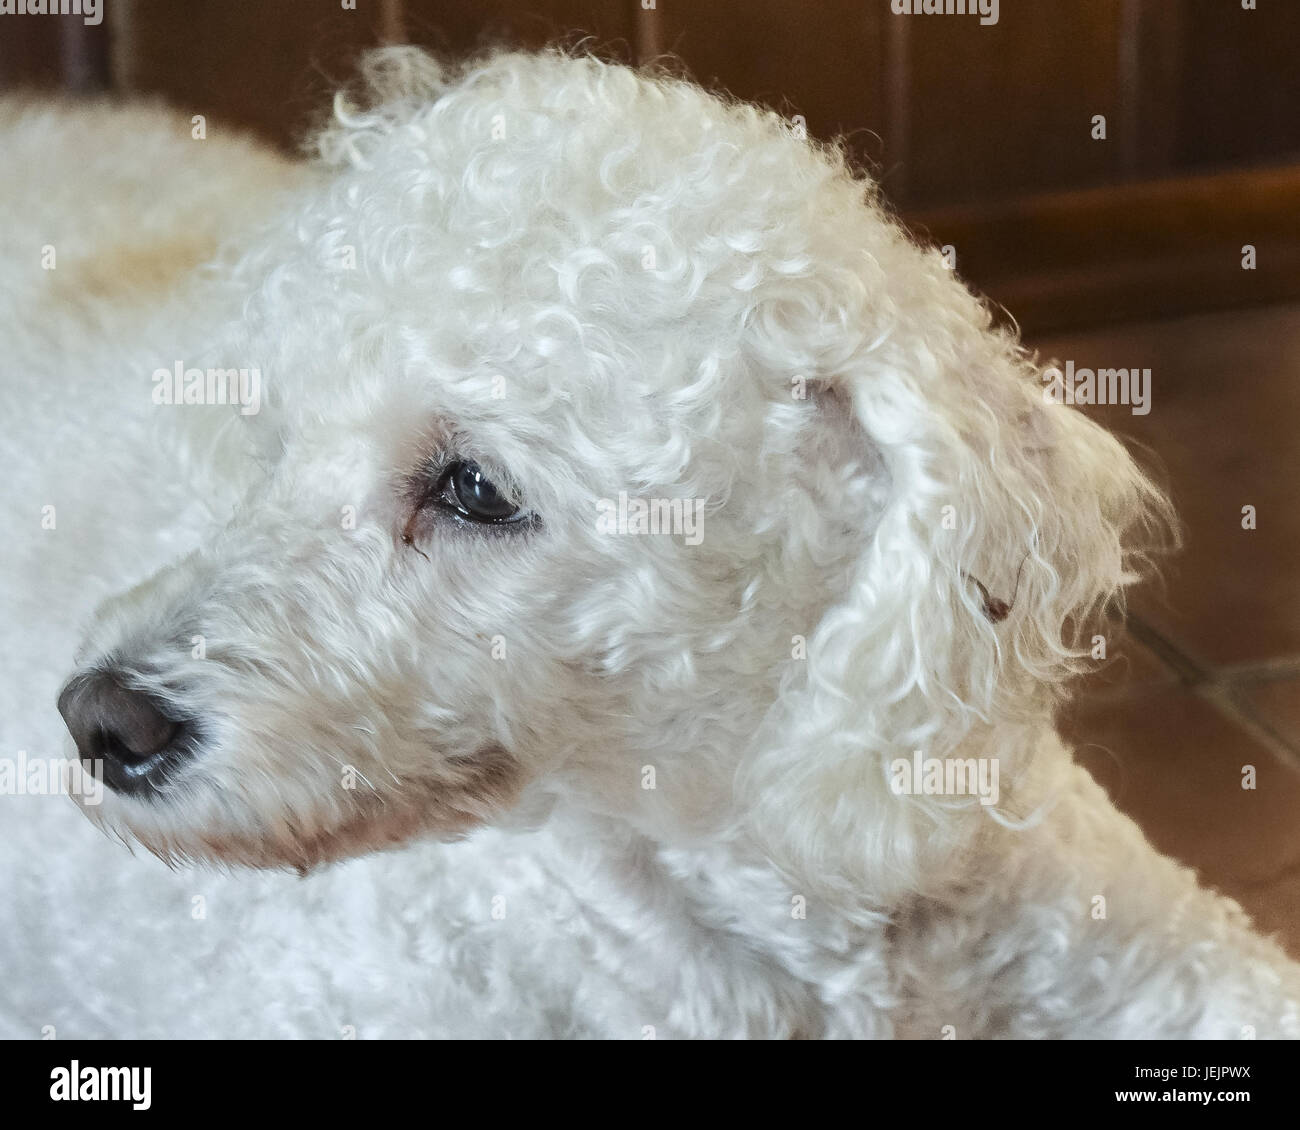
473	495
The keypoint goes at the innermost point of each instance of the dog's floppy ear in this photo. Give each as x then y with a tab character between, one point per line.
1008	522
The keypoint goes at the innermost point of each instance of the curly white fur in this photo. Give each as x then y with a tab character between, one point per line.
589	281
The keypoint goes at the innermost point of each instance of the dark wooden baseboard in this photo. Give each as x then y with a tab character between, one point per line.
1137	251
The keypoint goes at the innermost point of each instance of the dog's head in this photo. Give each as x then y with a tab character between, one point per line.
614	444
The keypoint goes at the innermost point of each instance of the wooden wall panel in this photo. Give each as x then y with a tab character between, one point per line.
1239	83
42	51
1147	249
1150	61
826	61
1006	109
29	52
460	26
265	67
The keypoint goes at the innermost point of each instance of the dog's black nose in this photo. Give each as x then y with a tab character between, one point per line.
126	731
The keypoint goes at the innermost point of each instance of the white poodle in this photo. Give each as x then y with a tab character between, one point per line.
581	482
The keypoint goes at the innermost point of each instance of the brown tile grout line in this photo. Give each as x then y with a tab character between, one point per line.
1216	687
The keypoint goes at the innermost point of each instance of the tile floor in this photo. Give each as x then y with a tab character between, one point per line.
1208	680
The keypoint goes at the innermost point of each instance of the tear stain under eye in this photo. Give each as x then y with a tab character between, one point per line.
408	538
415	489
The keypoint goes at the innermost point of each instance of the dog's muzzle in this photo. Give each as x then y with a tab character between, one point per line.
126	731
